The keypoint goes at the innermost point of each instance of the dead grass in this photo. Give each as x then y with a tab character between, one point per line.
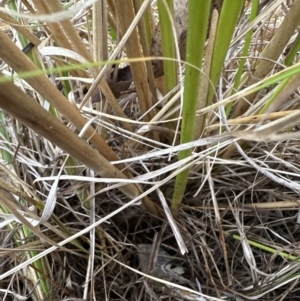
238	222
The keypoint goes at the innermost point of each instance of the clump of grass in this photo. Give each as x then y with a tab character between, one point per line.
97	158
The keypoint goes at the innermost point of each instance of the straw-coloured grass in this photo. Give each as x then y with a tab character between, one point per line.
109	181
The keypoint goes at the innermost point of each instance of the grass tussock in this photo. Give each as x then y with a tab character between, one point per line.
143	161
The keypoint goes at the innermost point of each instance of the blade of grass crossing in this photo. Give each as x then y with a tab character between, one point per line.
228	19
198	19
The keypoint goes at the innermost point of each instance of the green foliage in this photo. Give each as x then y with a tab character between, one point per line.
196	36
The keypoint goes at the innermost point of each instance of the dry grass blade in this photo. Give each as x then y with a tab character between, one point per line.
66	36
68	228
125	15
272	131
100	31
23	30
20	63
35	117
9	202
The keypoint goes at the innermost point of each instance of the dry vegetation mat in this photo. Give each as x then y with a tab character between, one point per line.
149	150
